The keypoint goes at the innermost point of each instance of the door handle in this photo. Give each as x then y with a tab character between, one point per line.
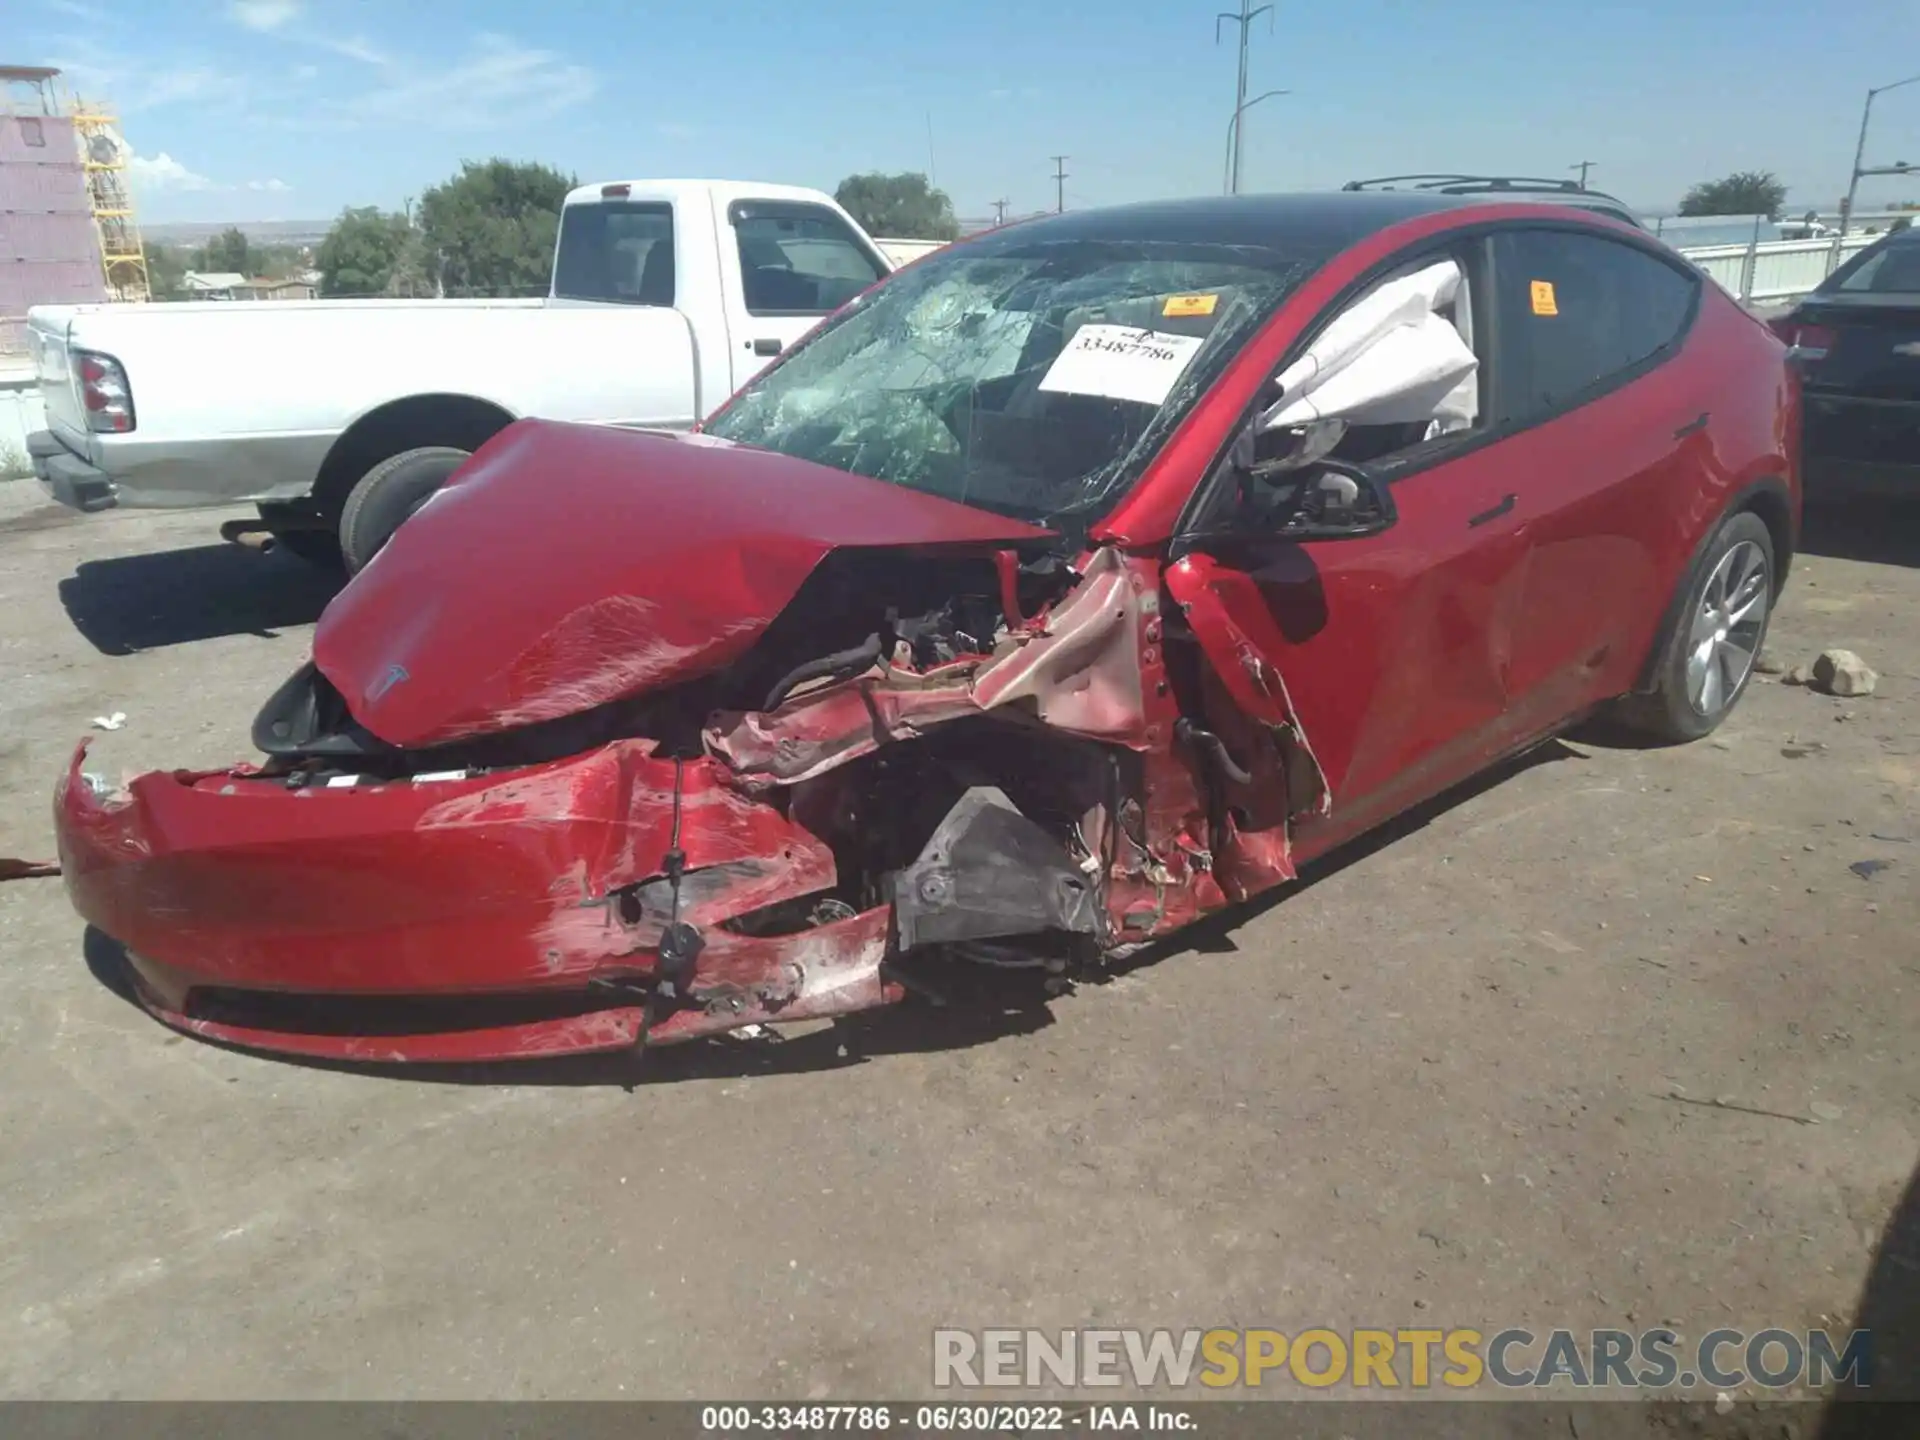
766	347
1495	513
1692	427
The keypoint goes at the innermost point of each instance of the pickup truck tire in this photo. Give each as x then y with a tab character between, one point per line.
388	494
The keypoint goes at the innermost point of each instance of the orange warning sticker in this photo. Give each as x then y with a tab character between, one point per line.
1543	301
1189	305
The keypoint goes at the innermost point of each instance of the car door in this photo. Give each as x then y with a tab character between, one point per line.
1603	434
1386	657
785	266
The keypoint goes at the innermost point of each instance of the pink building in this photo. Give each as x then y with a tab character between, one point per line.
49	244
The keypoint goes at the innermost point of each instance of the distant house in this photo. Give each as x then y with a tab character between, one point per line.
212	284
231	285
292	287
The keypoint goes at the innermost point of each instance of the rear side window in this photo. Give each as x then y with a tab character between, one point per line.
616	251
1576	312
799	259
1893	269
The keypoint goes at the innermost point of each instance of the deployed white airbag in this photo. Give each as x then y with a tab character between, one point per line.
1389	359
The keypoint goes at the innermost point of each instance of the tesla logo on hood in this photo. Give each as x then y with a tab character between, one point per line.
393	676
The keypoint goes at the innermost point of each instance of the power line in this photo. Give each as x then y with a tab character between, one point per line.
1060	183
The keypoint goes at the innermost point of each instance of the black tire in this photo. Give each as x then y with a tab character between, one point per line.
388	494
1690	699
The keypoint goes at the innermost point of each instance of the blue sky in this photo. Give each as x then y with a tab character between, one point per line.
291	109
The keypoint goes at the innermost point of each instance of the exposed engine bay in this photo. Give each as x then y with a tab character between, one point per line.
969	744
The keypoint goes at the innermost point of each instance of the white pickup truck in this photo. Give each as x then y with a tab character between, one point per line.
339	418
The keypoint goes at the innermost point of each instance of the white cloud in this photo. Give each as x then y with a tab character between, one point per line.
305	72
263	14
500	82
354	47
154	174
676	130
163	172
79	9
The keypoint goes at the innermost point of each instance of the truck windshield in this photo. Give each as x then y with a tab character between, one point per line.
1032	380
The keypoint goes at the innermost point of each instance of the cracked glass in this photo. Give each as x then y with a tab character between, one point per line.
1031	380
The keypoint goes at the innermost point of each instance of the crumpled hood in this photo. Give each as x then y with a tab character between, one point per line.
566	566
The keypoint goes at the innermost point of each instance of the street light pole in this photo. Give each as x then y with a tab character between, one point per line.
1248	14
1233	139
1860	149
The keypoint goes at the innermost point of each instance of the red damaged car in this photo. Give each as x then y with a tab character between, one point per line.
1076	581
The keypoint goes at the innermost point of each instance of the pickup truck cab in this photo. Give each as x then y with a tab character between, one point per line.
339	418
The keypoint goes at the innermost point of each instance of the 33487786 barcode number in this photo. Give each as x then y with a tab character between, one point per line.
867	1419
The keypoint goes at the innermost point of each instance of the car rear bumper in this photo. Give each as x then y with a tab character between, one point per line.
510	916
1858	442
66	476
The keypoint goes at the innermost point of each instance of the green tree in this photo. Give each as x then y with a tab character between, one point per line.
900	207
166	267
360	251
1745	192
228	251
489	230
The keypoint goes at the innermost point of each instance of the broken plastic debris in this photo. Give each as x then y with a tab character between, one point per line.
110	722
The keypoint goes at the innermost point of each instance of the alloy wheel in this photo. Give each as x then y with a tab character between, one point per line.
1725	635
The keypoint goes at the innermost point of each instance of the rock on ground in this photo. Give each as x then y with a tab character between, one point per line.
1841	672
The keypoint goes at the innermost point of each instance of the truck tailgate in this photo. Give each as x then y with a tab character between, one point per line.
47	327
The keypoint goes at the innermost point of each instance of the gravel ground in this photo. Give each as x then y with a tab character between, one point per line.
1466	1074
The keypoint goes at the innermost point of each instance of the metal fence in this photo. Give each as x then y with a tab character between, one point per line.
1765	271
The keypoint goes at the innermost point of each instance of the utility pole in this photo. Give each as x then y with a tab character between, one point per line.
999	212
1248	14
1060	183
1583	166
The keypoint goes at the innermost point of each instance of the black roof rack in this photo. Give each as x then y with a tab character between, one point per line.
1568	191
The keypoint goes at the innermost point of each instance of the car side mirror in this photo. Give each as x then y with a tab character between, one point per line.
1337	501
1306	499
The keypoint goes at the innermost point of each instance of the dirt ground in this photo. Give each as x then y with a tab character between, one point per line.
1454	1078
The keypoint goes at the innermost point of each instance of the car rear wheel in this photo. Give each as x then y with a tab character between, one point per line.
1709	654
388	495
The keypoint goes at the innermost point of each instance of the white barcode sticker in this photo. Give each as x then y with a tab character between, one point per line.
1118	362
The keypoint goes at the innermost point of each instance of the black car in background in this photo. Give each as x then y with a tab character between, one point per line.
1856	342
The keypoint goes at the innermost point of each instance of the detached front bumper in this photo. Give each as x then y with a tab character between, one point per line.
512	915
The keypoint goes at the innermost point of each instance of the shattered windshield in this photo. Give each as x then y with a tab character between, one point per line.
1029	380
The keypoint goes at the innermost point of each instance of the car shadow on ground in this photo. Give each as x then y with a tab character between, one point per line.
1889	1308
173	597
978	1005
1879	529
